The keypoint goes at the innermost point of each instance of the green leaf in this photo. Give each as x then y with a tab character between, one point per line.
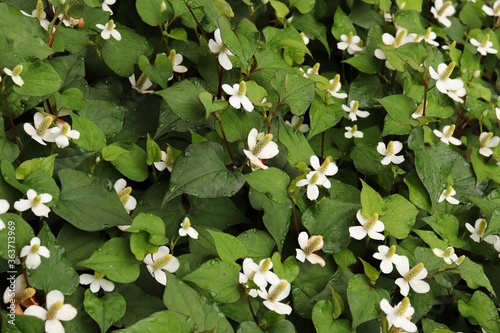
311	27
342	24
151	224
71	99
78	244
242	42
178	34
167	321
446	226
474	275
40	79
139	305
288	270
130	161
45	164
41	182
325	322
153	150
371	201
141	246
106	310
54	272
304	6
258	244
115	260
363	63
91	136
484	171
151	13
108	116
482	310
200	172
182	299
298	148
280	9
323	116
21	324
364	300
418	194
371	272
78	205
399	217
14	224
122	55
158	73
221	287
228	247
295	91
236	124
336	219
400	108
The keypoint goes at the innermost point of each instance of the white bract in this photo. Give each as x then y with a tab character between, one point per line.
260	274
457	94
401	38
4	207
308	245
388	258
327	168
448	255
486	142
446	135
311	71
15	74
297	123
389	152
477	231
276	293
106	4
40	133
159	262
218	47
96	281
352	132
313	179
260	147
63	133
142	84
187	230
304	38
485	46
123	191
56	311
176	59
109	30
335	87
429	37
369	226
354	112
238	93
36	202
442	77
39	14
412	278
497	113
350	43
494	10
442	11
20	285
400	315
419	111
33	252
448	194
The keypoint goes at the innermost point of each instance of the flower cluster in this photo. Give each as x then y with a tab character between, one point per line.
42	132
159	262
318	176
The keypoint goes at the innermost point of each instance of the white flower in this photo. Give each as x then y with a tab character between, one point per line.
448	255
485	46
56	311
142	84
457	94
429	37
314	70
106	4
399	316
308	245
35	202
497	113
335	87
419	111
15	74
492	11
477	231
260	274
353	132
447	195
19	287
187	229
328	168
4	207
159	262
442	11
63	133
387	17
261	147
97	281
412	278
304	38
297	123
238	93
109	30
176	59
389	257
123	191
167	161
40	15
389	153
354	112
442	77
219	47
401	38
33	252
274	295
349	43
446	135
487	141
40	133
313	179
369	226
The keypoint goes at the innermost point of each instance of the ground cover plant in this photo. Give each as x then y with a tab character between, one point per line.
249	166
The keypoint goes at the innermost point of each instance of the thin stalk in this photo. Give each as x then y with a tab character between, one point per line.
217	117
